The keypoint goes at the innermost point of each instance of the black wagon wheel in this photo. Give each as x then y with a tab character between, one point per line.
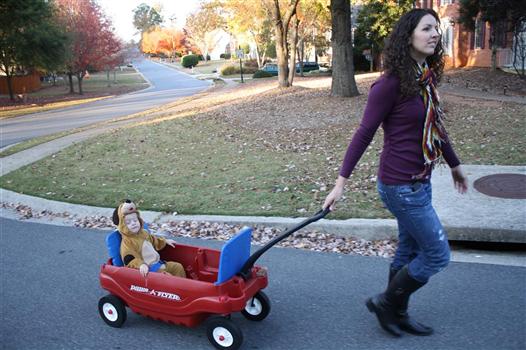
112	310
257	307
223	333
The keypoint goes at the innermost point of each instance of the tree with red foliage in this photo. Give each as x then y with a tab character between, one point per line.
113	53
92	42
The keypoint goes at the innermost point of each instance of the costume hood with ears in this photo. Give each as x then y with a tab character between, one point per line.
128	207
140	248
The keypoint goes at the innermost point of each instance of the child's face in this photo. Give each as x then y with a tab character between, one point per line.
132	222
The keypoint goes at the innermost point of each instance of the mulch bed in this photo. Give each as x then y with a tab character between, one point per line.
483	79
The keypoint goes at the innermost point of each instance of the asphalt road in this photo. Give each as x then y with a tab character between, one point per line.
50	291
167	85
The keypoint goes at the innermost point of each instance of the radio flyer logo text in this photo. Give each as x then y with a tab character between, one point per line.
154	292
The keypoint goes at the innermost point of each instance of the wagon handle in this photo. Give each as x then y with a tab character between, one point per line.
252	259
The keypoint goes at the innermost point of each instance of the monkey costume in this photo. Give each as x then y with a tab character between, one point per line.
141	247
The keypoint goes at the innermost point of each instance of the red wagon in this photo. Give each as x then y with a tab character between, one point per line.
218	284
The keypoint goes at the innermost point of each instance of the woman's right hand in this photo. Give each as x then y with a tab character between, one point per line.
335	194
459	179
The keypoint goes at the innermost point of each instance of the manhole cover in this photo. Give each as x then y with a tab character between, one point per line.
502	185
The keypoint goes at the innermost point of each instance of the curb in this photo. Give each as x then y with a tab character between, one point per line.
367	229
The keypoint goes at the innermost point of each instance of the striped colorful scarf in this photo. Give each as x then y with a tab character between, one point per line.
434	131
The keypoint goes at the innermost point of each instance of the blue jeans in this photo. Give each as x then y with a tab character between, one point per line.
423	244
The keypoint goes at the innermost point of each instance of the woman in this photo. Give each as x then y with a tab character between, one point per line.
405	102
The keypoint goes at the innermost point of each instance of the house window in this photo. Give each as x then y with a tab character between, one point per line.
447	38
446	2
500	29
480	29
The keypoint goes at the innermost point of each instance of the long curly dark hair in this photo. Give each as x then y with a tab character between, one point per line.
397	60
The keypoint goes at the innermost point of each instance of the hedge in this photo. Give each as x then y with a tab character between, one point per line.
231	69
262	74
189	61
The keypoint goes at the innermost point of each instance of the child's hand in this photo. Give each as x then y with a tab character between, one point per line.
171	242
143	269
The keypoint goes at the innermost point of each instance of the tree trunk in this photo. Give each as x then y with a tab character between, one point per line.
108	77
80	76
301	55
493	59
281	29
302	51
282	54
205	52
493	49
9	84
343	82
70	79
8	75
258	58
293	46
519	49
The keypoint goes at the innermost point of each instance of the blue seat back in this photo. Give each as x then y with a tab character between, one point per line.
113	243
234	254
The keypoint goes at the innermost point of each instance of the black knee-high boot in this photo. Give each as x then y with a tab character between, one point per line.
405	322
384	306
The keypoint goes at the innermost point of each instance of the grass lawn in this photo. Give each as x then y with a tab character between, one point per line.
95	87
203	67
211	67
273	152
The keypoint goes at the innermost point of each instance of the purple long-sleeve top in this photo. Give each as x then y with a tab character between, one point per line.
402	119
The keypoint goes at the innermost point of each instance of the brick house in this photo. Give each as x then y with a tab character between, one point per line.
468	48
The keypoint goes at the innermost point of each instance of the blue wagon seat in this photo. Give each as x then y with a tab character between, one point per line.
234	254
